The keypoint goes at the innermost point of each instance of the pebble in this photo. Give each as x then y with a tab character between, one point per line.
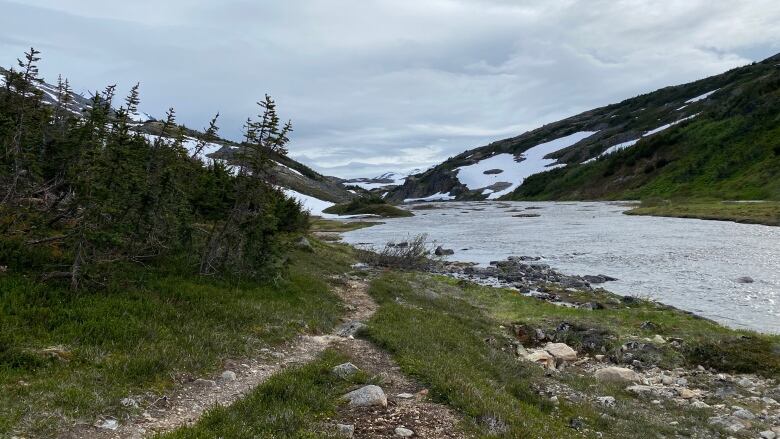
367	396
200	382
228	375
405	395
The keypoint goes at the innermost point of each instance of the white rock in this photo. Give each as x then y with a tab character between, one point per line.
403	432
345	370
367	396
543	358
640	390
108	424
129	402
667	380
768	435
561	351
228	375
405	396
700	405
617	375
658	339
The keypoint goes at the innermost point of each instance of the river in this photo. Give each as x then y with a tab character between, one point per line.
691	264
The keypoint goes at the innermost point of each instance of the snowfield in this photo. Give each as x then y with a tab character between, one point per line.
441	196
397	178
315	206
668	125
514	172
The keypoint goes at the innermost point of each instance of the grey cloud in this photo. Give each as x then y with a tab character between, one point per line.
375	85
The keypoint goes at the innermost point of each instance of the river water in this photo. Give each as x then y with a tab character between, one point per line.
691	264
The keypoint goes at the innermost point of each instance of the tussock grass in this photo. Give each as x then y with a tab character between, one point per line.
146	328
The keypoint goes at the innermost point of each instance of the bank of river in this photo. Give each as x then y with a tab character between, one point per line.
701	266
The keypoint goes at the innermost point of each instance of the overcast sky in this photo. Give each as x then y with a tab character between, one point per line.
376	85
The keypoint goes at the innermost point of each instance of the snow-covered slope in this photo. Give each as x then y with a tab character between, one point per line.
502	173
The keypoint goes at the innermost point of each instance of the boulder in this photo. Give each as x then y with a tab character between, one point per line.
617	375
228	375
441	251
561	351
345	370
542	358
728	423
745	280
304	244
367	396
768	434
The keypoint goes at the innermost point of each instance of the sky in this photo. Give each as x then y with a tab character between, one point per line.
387	85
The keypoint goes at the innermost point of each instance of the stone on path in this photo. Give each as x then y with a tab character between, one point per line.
345	430
228	375
403	432
367	396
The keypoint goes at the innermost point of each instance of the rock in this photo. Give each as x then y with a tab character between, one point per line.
728	423
659	339
228	375
200	382
543	358
667	380
561	351
367	396
405	396
403	432
304	244
687	393
745	280
441	251
648	326
576	423
744	414
345	430
700	405
617	375
606	401
350	329
345	370
641	390
108	424
129	402
768	435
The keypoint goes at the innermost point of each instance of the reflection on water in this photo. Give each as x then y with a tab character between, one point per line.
691	264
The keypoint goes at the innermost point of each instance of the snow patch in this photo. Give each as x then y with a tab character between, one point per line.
533	162
315	206
441	196
668	125
701	97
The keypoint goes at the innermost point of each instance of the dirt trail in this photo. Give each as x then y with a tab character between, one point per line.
188	402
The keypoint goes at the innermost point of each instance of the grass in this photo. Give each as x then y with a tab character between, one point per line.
455	338
767	212
369	206
146	329
291	404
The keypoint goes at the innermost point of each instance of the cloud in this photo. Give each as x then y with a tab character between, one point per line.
376	85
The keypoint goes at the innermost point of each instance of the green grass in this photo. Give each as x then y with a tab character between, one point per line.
369	206
455	338
767	213
145	328
291	404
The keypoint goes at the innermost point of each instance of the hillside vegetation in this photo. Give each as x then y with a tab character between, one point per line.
714	138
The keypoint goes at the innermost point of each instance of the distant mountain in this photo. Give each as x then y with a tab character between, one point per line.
382	183
718	137
314	190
